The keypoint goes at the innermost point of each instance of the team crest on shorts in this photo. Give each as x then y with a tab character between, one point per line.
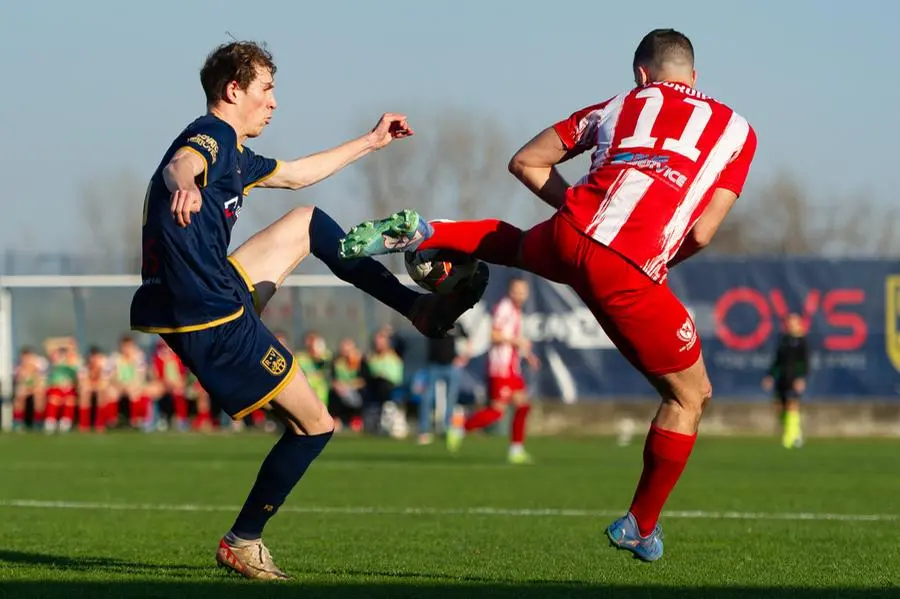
688	334
274	362
892	316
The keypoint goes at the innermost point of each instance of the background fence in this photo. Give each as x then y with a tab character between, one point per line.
851	307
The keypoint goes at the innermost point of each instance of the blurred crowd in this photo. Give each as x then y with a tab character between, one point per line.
60	387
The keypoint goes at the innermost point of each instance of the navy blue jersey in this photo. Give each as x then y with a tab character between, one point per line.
186	281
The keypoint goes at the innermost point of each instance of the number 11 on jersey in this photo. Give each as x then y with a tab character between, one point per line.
686	145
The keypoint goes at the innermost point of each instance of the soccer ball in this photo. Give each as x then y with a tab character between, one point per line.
440	271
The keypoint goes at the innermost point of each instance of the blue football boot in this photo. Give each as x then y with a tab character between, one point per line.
624	534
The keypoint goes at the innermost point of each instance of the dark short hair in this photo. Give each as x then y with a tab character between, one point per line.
662	45
235	61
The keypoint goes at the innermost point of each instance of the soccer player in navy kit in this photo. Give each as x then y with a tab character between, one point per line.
205	303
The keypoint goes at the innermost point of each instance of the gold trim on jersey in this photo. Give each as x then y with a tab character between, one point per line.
271	394
266	177
202	157
191	327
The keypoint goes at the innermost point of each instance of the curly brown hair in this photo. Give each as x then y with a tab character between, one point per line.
235	61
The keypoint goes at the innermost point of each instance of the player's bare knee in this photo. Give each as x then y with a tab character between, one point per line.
292	232
323	423
706	392
297	224
301	215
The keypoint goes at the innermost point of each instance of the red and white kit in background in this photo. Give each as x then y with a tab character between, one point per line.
504	361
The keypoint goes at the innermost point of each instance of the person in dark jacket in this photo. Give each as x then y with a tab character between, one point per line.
787	378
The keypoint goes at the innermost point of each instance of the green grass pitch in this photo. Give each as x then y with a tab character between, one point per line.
131	515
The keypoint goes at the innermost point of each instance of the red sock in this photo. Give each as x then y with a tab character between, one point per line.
38	418
52	410
181	407
101	416
493	241
69	412
111	412
483	418
84	418
139	410
518	423
18	415
258	417
665	455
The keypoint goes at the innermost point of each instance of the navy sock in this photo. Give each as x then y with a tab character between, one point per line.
366	274
279	474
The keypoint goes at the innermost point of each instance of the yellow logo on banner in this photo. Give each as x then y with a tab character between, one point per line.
274	362
892	319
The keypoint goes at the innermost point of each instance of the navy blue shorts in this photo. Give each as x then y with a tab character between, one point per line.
239	363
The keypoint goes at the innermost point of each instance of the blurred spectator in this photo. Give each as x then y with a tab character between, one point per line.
29	382
130	382
443	363
347	385
169	383
397	341
159	391
95	391
383	373
62	382
315	362
197	394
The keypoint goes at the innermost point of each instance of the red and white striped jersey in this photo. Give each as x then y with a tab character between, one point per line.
659	151
503	358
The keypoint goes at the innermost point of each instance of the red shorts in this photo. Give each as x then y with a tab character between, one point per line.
644	319
501	388
56	393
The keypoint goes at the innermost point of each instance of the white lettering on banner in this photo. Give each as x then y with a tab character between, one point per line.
761	360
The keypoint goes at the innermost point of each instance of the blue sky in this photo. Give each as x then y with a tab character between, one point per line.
97	87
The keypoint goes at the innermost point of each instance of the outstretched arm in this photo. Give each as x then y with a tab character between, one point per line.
308	170
535	166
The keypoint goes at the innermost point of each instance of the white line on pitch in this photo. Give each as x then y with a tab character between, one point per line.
427	511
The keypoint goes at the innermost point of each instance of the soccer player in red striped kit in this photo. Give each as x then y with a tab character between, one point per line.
506	383
667	164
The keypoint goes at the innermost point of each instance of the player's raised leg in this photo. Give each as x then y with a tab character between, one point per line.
483	418
273	253
491	240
